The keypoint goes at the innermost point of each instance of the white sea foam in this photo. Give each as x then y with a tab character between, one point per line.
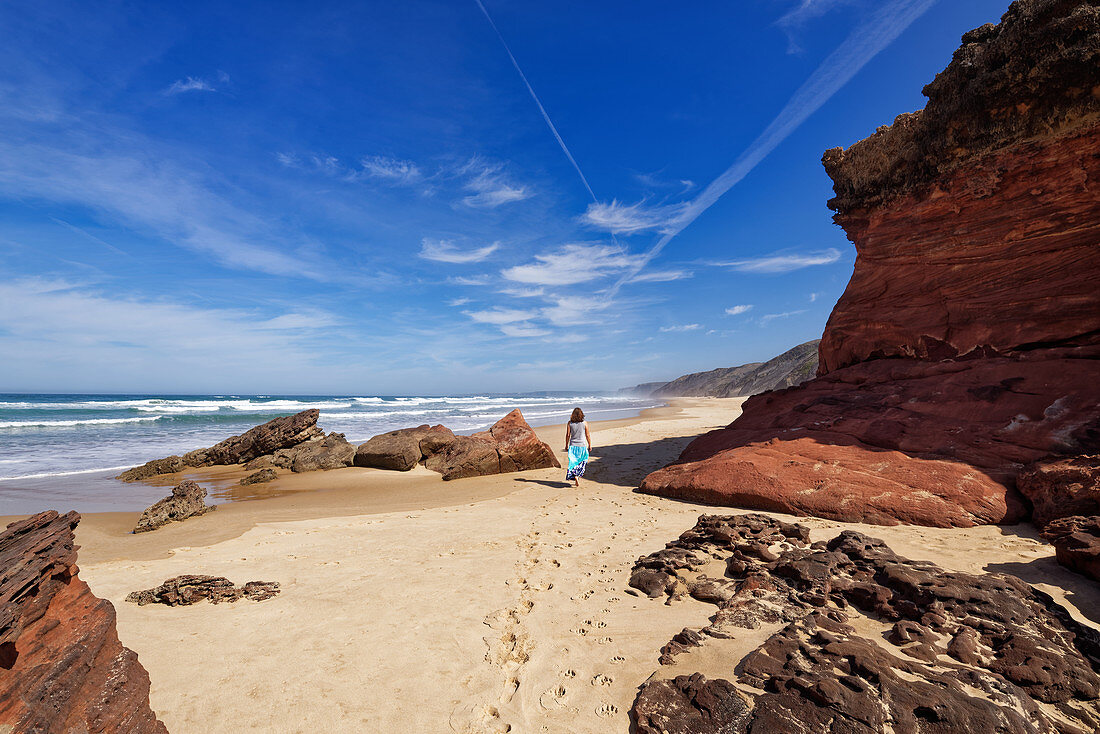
45	475
68	424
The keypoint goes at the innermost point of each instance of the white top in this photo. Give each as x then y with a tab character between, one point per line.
576	434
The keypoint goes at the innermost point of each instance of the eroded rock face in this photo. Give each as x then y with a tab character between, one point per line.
280	433
865	640
1062	487
189	589
188	499
964	346
260	477
1077	543
397	450
62	667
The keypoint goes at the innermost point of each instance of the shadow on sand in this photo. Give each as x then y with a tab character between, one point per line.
627	464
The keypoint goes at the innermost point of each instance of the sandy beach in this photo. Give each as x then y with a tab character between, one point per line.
478	605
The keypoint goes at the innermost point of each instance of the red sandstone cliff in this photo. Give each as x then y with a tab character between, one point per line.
62	667
967	343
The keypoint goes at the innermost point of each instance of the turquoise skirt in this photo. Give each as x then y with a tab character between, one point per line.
578	462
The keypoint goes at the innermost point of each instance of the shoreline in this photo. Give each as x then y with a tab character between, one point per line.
507	596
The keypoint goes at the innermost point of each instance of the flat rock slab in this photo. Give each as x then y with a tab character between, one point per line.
190	589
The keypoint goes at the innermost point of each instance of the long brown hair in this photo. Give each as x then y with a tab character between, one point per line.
577	417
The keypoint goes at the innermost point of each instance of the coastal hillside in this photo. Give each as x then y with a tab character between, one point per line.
793	367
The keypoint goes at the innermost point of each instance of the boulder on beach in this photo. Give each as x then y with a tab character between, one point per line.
188	499
1062	487
284	432
317	454
509	445
62	666
1076	543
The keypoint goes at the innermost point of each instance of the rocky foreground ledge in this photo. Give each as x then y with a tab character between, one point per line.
62	667
864	641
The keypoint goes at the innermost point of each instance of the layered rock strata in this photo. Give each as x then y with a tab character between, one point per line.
509	445
967	343
294	442
189	589
864	641
62	667
188	499
1062	487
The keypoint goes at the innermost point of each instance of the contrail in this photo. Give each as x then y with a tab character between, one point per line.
865	42
549	123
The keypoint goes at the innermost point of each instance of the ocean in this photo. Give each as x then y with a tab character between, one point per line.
62	451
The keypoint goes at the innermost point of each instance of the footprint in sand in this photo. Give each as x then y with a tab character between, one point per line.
569	673
618	659
554	697
607	709
602	680
605	640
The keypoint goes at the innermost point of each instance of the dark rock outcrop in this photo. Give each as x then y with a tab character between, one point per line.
1062	487
260	477
188	499
189	589
966	345
62	667
317	454
1077	543
866	641
791	368
401	450
284	432
509	445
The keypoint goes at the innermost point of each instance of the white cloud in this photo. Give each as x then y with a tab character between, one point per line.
769	317
459	301
783	263
738	310
470	280
489	185
522	331
498	316
804	12
445	252
814	297
523	292
391	170
573	263
190	84
574	310
661	276
681	327
629	218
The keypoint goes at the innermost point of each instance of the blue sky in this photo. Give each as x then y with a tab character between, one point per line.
284	197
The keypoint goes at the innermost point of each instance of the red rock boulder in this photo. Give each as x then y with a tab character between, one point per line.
1077	543
1062	487
517	442
62	667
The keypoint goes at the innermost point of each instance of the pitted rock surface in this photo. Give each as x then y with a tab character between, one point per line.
957	651
262	476
188	499
189	589
317	454
62	667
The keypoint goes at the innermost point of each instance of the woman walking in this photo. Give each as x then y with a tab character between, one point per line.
578	442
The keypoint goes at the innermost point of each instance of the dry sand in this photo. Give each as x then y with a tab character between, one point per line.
414	605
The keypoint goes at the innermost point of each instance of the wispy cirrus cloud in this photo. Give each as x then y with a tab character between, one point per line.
195	84
392	171
499	316
620	218
661	276
738	310
523	332
769	317
878	30
490	187
574	310
572	264
445	251
680	327
804	12
783	263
